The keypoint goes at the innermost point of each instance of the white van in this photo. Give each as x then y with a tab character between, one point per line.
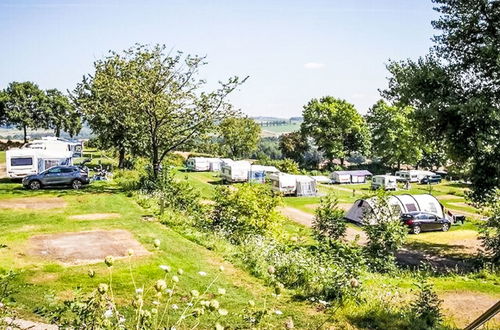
23	162
386	182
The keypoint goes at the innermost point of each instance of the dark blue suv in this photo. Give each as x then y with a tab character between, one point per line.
72	176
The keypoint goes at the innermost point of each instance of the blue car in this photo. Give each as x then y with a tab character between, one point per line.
430	179
70	176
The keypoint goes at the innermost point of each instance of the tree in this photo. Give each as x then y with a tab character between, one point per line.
393	134
150	102
329	224
455	89
336	127
3	100
62	114
24	106
240	136
490	230
294	145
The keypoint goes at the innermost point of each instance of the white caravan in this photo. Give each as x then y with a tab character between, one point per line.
283	183
413	175
235	171
198	164
386	182
23	162
306	186
215	164
55	144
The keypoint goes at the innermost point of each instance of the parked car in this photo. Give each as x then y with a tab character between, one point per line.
430	179
419	221
72	176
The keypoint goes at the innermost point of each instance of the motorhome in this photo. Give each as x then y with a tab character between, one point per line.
386	182
198	164
236	171
25	161
412	175
55	144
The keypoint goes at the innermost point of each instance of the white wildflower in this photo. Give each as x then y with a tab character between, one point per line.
108	314
165	268
202	273
174	306
278	312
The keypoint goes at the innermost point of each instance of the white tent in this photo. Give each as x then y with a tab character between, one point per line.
257	174
198	164
235	171
399	204
306	185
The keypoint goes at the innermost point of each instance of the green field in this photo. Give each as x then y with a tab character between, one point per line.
282	128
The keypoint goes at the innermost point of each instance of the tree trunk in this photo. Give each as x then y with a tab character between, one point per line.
399	165
155	162
342	162
121	158
24	130
58	131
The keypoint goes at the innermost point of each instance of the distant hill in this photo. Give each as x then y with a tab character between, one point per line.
274	126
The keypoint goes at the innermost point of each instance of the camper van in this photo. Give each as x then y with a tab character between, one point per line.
198	164
55	144
235	171
23	162
412	175
386	182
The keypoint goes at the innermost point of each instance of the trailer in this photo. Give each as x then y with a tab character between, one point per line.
283	183
412	175
236	171
25	161
355	176
305	186
386	182
214	164
198	164
55	144
257	174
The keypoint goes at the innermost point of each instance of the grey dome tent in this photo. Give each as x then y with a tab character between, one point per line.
399	204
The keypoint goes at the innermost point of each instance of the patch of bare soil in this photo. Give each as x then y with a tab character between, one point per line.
447	197
33	203
95	216
341	206
462	204
3	171
465	307
25	324
85	247
440	262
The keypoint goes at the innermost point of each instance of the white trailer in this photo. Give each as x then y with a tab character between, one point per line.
305	186
283	183
386	182
198	164
23	162
354	176
235	171
55	144
215	164
257	173
413	175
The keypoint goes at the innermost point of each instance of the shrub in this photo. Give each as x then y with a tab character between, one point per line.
425	310
329	223
284	165
386	234
246	209
490	230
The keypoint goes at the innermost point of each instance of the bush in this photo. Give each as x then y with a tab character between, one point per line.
426	308
329	223
284	165
386	234
246	209
490	230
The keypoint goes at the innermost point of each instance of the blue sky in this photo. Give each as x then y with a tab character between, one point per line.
292	50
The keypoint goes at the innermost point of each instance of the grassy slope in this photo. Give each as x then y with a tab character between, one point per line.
2	157
378	284
45	276
282	128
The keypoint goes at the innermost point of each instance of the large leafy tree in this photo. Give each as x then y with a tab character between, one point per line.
294	145
336	127
154	101
62	115
455	89
394	137
24	105
240	136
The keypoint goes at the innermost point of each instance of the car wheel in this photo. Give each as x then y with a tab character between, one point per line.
416	230
76	184
35	185
445	227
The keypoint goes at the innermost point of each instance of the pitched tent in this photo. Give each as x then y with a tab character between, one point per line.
306	185
399	204
235	171
198	164
355	176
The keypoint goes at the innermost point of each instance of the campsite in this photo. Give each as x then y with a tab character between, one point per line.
324	165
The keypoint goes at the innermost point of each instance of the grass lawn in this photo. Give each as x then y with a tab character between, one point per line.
39	276
2	157
282	128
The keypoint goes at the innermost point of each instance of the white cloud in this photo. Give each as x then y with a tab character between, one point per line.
314	65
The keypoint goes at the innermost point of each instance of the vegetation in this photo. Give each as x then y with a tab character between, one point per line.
329	223
490	230
336	128
239	136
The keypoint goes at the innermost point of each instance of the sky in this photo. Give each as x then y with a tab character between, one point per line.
292	51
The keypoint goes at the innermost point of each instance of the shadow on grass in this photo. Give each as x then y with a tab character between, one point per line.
443	258
16	189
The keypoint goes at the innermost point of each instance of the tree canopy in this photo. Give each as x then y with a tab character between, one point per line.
152	100
336	128
240	136
455	89
61	113
394	137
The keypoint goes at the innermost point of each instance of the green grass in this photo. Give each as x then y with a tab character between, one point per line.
2	157
39	276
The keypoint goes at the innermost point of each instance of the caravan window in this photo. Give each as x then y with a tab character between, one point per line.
21	161
411	207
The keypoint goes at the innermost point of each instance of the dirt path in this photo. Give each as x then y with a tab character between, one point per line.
306	219
24	324
465	307
33	203
95	216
